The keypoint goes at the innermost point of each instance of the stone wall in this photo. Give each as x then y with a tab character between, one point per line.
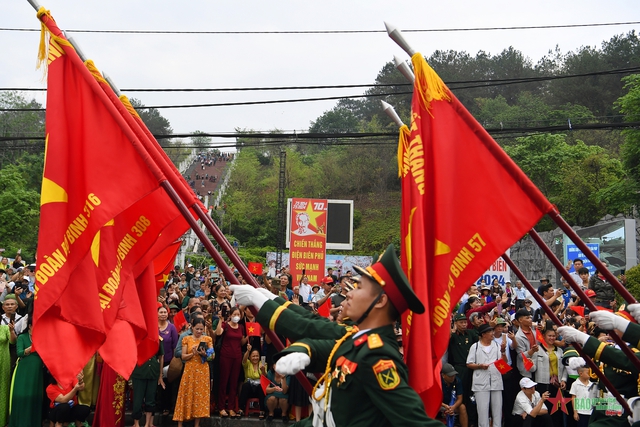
532	262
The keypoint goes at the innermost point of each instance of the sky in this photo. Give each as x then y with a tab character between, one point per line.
269	60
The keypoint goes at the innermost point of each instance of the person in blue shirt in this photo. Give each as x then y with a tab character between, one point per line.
452	396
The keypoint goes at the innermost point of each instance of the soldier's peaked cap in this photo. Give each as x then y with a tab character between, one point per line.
388	273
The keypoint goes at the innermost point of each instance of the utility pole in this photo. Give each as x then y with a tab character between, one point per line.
280	228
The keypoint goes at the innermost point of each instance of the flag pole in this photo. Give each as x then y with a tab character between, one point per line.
404	69
566	228
173	180
558	265
396	36
391	112
151	157
557	321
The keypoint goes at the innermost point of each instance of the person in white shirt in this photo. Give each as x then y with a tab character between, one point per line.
529	409
305	290
582	390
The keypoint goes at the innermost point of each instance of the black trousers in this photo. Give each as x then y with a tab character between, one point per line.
63	413
250	391
539	421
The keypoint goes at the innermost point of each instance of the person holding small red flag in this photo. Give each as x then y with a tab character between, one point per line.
550	372
487	380
251	388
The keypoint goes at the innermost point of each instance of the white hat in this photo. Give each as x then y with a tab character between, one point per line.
527	383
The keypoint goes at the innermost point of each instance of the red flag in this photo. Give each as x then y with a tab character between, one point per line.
540	338
264	383
528	364
502	366
577	309
253	329
100	197
179	321
255	268
164	263
323	310
445	160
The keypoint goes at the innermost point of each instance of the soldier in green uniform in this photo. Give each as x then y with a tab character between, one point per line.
617	367
366	380
460	342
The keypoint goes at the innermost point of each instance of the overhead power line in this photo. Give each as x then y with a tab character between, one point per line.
418	30
348	138
481	83
458	84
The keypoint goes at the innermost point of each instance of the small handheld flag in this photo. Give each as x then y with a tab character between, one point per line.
253	329
502	366
255	268
528	364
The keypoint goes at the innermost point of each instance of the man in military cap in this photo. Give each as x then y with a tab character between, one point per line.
460	342
363	368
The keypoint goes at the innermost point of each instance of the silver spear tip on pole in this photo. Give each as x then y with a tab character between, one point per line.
34	4
389	111
111	83
396	36
404	69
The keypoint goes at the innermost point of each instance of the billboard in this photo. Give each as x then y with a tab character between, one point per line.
498	270
308	239
339	224
616	243
340	263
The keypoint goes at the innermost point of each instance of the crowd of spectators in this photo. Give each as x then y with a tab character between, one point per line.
505	358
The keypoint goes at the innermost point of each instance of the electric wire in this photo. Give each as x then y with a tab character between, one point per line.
416	30
472	83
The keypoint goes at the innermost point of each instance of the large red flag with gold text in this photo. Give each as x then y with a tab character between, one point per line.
450	170
102	211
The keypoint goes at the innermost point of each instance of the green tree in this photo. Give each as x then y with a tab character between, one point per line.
629	104
156	122
20	212
199	140
576	178
22	128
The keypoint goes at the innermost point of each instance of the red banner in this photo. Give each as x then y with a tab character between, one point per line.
445	247
308	239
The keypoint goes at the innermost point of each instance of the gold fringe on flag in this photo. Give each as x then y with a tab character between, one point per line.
428	84
128	106
45	36
403	151
94	71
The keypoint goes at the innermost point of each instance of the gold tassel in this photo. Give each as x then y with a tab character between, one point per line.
42	49
45	38
128	106
94	71
327	373
403	143
428	84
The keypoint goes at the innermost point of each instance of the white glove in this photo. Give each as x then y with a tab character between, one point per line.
266	293
635	409
328	417
248	295
576	362
570	335
609	321
292	363
634	309
318	407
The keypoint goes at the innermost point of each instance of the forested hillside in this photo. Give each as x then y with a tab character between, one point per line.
568	119
560	118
